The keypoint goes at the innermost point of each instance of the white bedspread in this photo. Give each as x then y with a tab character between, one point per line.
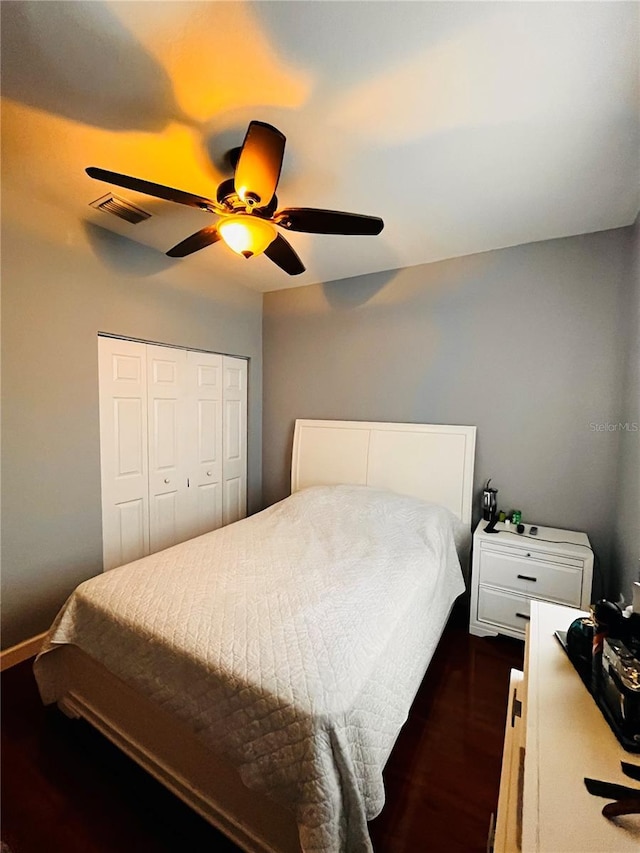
293	641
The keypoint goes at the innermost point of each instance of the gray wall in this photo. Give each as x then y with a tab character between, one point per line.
62	282
523	342
626	542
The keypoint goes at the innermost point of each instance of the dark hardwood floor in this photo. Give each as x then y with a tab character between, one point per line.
68	790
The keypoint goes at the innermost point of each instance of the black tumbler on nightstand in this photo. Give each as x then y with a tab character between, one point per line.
489	502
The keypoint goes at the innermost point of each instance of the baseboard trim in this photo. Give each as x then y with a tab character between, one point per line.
23	651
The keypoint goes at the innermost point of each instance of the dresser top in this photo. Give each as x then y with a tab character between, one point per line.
548	539
567	739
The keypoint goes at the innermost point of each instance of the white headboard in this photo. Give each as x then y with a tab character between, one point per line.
427	461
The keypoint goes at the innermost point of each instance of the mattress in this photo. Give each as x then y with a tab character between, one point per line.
293	642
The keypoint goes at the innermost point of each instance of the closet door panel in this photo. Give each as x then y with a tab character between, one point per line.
165	521
132	531
205	441
168	463
123	450
234	443
233	505
208	508
129	439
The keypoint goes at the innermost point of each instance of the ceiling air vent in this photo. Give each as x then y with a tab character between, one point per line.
119	207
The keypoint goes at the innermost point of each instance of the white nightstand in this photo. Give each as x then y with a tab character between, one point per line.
509	570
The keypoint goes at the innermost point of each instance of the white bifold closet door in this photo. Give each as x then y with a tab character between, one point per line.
123	451
234	440
204	437
168	448
173	434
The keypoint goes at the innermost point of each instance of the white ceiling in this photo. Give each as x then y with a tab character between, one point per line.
466	126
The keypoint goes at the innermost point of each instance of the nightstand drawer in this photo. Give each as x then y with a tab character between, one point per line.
501	608
531	553
531	577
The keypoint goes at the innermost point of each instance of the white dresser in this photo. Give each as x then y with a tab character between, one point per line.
555	735
510	570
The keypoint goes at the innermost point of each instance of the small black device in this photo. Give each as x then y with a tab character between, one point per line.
533	531
520	528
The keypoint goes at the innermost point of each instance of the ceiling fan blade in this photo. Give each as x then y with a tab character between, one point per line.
315	221
282	253
149	188
259	164
200	240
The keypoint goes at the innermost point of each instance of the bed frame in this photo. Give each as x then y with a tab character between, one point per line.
427	461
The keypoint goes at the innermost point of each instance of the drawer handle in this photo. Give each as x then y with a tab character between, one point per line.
527	578
523	616
516	707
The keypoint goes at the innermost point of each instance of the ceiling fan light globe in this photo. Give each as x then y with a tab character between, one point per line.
247	234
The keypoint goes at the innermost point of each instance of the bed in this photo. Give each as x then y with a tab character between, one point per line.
263	671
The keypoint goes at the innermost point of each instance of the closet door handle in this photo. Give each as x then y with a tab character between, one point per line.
527	578
523	616
209	473
167	480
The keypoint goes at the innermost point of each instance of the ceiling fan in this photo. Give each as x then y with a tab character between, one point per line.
247	205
